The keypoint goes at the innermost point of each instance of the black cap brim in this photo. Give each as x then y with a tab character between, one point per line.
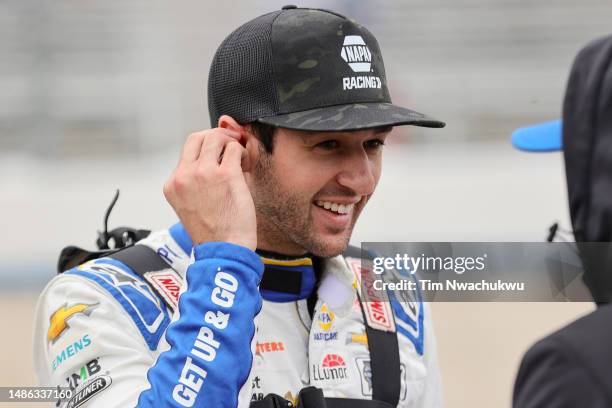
351	117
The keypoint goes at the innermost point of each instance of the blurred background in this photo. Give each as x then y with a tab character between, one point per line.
98	95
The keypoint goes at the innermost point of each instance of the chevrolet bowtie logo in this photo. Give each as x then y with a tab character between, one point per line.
59	318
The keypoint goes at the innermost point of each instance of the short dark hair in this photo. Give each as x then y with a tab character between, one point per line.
265	134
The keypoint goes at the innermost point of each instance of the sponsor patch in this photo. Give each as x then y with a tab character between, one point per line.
358	56
89	390
360	82
379	316
325	336
81	376
365	374
168	285
70	351
58	322
90	369
269	346
325	318
168	254
332	368
256	389
356	53
376	305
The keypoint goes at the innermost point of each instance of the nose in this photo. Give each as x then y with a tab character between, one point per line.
359	173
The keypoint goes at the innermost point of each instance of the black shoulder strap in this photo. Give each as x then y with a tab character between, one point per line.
385	365
72	256
140	259
151	267
384	353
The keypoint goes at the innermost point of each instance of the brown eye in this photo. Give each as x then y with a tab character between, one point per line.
374	144
328	145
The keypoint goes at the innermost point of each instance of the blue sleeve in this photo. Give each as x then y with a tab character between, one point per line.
210	357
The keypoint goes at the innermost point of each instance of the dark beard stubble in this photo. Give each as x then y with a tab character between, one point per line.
287	217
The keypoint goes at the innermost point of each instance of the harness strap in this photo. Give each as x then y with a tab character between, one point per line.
140	259
382	344
146	263
385	365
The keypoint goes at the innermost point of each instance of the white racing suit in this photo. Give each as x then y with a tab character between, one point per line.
101	331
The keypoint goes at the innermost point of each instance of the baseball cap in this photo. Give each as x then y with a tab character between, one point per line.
304	69
586	103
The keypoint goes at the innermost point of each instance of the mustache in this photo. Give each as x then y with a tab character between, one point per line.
339	191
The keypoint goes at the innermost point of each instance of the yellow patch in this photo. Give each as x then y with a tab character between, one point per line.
359	338
292	262
58	320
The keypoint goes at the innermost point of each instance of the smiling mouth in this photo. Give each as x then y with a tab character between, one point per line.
335	207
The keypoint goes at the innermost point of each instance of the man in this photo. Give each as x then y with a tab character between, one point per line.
302	108
573	367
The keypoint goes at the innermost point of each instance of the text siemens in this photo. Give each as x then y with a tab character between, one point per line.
71	350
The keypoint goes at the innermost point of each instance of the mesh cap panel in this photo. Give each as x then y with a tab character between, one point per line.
241	80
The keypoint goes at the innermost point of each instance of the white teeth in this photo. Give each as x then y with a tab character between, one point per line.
335	207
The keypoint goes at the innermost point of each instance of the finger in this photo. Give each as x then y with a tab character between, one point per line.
233	155
193	146
234	135
231	133
213	147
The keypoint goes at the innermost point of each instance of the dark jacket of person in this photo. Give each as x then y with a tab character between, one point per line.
573	366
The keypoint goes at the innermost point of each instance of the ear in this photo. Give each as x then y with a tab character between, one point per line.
227	122
246	139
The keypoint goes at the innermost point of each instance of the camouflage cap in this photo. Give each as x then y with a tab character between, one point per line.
305	69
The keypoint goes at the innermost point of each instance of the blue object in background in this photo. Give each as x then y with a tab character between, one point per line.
544	137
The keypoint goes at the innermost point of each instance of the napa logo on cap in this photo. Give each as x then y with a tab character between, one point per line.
358	56
356	53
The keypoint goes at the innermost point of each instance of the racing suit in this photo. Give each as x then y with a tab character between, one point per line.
101	331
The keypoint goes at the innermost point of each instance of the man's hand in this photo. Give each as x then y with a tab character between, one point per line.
208	190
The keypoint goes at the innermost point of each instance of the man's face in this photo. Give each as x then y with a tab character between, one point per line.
310	191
